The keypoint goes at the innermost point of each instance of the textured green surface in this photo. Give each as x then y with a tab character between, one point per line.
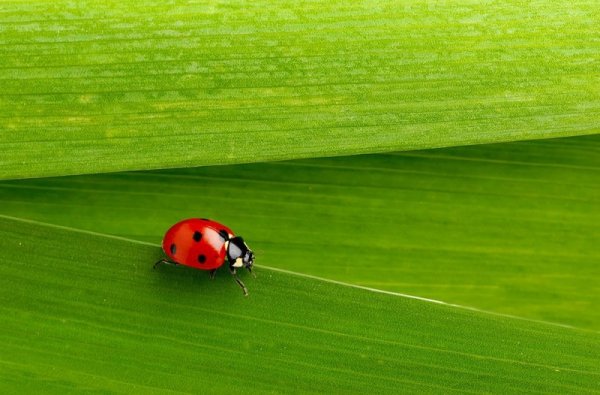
97	86
84	312
511	227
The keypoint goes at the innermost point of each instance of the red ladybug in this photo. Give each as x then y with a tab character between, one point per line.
204	244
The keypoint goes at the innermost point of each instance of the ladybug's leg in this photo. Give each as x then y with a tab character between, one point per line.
158	263
237	280
212	274
164	261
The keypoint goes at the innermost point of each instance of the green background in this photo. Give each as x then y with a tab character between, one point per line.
119	103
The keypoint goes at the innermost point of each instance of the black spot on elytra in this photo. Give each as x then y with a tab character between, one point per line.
201	258
223	233
173	249
197	236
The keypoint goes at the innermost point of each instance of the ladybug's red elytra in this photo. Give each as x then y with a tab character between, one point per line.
204	244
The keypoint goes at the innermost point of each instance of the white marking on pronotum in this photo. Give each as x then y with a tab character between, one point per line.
341	283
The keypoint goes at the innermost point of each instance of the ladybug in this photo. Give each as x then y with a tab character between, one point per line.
204	244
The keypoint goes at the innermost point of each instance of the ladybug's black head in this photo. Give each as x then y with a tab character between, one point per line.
239	254
248	259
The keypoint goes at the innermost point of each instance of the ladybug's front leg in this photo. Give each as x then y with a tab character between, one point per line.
237	279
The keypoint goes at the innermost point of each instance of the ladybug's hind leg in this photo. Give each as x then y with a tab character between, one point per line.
164	261
212	274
